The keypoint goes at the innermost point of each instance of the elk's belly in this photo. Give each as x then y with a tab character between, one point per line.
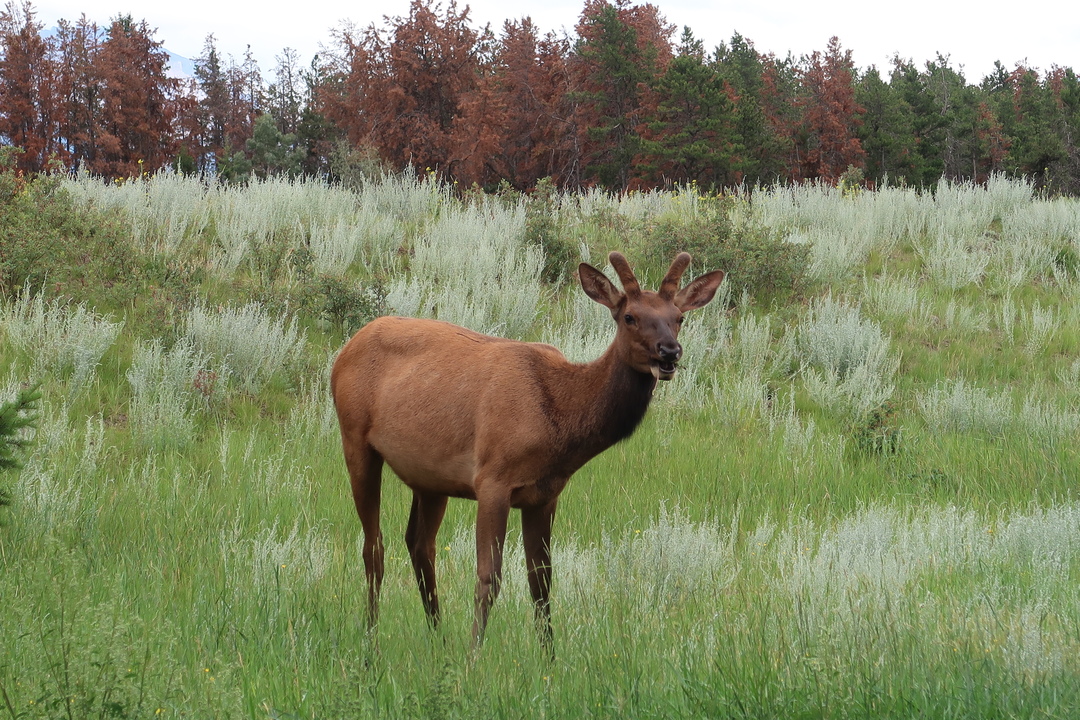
422	469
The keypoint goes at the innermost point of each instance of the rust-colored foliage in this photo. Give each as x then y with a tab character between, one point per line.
28	117
400	89
136	101
515	125
830	116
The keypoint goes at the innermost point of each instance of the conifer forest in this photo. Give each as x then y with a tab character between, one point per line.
627	102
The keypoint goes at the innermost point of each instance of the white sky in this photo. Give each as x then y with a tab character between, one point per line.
973	34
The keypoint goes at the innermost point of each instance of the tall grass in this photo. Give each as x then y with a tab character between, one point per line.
182	541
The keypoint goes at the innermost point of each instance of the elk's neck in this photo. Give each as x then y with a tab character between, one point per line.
613	403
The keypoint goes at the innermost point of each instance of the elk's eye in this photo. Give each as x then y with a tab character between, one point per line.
629	319
680	320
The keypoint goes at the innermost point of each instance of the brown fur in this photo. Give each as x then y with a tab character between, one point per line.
458	414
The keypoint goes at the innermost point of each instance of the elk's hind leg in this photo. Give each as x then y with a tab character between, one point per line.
424	521
365	474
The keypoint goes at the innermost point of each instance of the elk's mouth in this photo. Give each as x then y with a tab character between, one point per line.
663	369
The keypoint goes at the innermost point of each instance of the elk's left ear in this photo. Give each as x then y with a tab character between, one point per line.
699	292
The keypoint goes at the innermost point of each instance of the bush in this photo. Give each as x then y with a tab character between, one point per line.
58	335
343	303
542	230
44	236
756	261
247	342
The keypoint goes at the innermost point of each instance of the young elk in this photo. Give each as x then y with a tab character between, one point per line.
505	423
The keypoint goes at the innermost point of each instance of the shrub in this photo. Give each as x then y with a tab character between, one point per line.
957	406
167	387
252	345
345	304
755	260
542	230
849	365
44	236
57	335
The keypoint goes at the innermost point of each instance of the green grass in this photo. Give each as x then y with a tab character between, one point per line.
751	552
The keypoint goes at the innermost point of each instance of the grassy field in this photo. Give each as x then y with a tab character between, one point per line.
855	500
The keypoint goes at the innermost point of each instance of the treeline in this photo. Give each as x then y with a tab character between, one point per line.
625	103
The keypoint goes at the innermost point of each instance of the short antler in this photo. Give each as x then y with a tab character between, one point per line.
626	275
670	284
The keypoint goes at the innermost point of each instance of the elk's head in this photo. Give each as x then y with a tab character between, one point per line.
648	322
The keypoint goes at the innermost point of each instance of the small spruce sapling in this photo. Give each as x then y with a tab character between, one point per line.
14	416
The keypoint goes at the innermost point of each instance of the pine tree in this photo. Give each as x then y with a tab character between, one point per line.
79	90
691	135
1027	111
400	90
285	95
757	147
620	53
16	416
137	109
28	104
886	131
271	151
830	115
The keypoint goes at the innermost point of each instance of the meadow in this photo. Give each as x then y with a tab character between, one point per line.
856	499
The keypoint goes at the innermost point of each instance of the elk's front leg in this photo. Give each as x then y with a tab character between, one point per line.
491	515
536	534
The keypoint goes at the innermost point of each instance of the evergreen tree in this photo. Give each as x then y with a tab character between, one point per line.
620	53
15	416
691	135
1027	111
757	147
28	103
830	116
886	132
273	152
400	90
137	110
1065	87
79	90
285	95
213	111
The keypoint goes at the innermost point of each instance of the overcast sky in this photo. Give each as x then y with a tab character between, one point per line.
974	35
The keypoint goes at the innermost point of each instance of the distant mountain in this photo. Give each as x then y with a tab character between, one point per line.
180	66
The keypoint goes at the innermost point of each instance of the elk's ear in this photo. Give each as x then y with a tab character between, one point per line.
597	286
699	292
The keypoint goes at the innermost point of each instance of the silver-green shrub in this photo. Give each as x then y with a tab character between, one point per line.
472	268
958	406
58	336
848	366
168	387
247	342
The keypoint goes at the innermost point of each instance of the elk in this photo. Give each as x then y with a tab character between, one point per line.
505	423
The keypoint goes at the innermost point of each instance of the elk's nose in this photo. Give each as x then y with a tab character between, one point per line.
669	351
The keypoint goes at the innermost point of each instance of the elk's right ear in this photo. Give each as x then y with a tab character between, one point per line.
597	286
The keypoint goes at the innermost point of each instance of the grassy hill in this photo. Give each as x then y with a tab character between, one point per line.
855	500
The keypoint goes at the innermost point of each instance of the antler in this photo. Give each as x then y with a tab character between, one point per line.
670	284
626	275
